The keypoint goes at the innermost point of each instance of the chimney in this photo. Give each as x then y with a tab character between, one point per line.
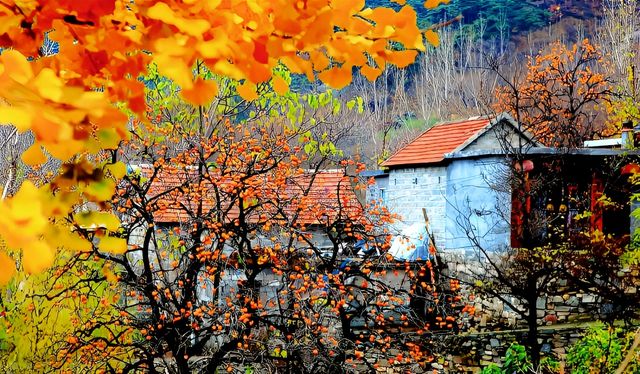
628	141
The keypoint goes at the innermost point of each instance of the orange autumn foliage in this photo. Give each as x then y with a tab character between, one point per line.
67	99
559	97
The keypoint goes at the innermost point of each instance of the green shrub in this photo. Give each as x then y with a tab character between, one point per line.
602	349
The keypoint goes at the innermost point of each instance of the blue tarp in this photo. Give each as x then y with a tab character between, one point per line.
412	244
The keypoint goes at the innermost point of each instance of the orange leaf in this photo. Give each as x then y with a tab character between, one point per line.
370	72
16	66
430	4
7	268
336	77
37	257
280	85
402	59
33	155
432	38
247	91
201	93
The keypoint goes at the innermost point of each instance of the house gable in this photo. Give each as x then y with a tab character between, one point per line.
480	133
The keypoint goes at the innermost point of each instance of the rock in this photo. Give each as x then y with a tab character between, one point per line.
541	303
631	290
540	313
559	350
566	297
557	299
574	301
588	299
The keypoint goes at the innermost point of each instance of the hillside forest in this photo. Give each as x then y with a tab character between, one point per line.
483	46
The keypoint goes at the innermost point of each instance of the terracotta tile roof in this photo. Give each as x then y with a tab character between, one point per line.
431	146
175	198
329	192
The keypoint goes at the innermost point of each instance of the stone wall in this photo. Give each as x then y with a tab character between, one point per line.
486	334
473	351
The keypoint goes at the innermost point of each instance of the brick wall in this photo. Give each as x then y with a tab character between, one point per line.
411	189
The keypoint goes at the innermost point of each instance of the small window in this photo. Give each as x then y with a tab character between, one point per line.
383	195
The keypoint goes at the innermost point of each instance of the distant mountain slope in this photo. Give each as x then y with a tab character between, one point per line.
511	17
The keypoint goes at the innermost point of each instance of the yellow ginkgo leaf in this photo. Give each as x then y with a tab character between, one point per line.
93	220
430	4
176	69
34	155
18	117
280	86
432	38
37	257
101	190
21	217
202	92
16	66
113	245
7	268
117	170
247	91
69	240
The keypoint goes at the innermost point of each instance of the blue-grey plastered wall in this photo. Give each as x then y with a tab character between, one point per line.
478	204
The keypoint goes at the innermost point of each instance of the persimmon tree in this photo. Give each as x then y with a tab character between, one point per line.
72	101
239	247
560	97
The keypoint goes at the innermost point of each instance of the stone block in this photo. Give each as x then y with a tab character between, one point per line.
631	290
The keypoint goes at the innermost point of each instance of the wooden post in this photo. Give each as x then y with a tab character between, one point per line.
432	240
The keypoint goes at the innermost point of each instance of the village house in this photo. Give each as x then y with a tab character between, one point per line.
177	198
460	173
